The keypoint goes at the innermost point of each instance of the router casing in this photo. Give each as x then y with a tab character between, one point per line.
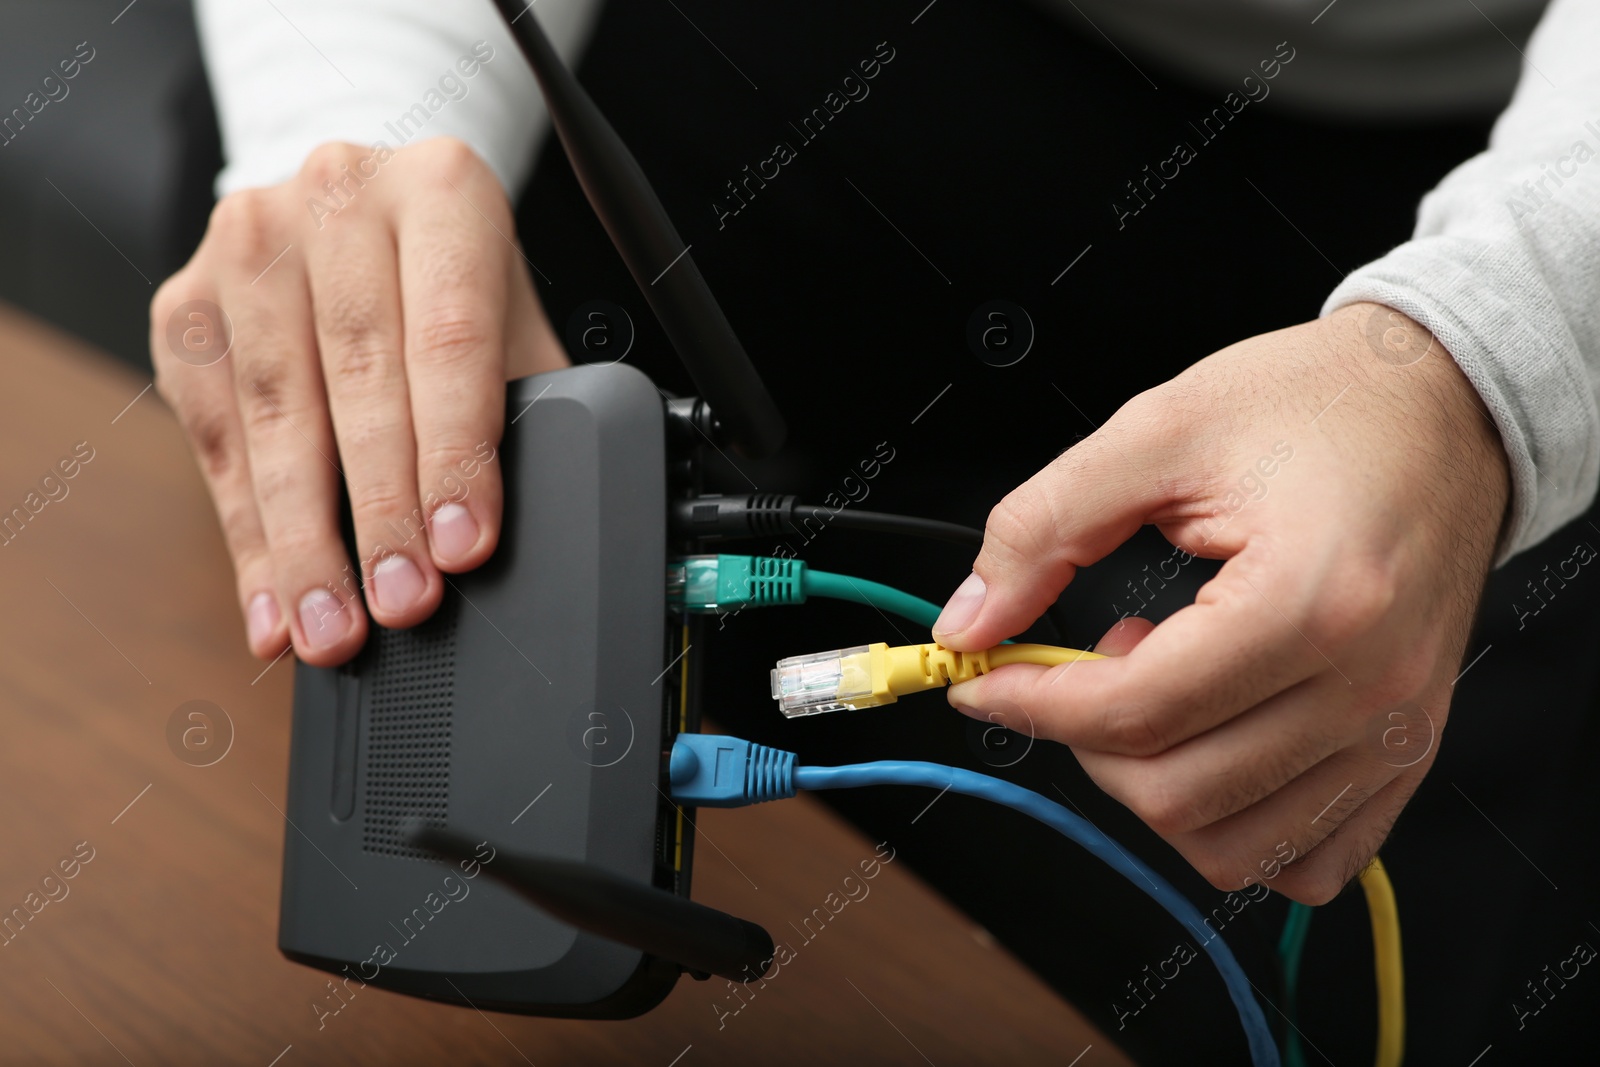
532	708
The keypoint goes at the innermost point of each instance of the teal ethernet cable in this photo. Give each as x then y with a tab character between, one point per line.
703	584
873	594
727	772
1378	890
1291	947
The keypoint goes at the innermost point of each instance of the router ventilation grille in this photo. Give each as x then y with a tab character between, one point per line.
407	731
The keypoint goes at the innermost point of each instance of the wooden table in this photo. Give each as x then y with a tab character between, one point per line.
161	949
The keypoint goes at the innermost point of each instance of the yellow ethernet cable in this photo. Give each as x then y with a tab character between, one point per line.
868	676
1391	975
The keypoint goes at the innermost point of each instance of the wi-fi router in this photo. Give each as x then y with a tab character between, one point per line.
536	707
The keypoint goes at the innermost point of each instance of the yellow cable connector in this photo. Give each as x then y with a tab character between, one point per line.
868	676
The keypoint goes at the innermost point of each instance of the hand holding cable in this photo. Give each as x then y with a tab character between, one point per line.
1356	499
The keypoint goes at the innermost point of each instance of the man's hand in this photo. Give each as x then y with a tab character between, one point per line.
1348	473
377	307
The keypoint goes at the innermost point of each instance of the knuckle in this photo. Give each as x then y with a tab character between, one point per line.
1140	407
370	436
376	500
296	541
445	452
1155	414
211	436
1176	411
263	395
1166	810
356	351
1273	770
1220	870
245	223
1014	528
450	157
326	162
168	296
1318	881
359	363
275	483
1133	730
1405	678
450	337
1357	602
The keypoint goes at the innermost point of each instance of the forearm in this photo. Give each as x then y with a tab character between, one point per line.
289	76
1502	268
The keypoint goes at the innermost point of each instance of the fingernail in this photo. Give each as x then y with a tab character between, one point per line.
962	607
324	618
453	531
261	618
397	584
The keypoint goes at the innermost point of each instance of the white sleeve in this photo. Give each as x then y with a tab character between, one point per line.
288	75
1504	268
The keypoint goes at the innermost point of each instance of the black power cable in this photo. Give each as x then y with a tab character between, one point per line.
911	525
732	518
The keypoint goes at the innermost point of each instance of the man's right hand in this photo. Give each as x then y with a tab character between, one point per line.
371	310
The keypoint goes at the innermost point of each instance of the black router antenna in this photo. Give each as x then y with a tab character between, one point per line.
656	256
703	940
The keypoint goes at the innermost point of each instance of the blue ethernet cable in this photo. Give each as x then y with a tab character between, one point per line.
713	771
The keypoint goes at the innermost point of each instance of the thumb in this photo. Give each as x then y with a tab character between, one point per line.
1088	501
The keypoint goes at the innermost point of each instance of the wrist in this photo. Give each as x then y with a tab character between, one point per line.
1433	403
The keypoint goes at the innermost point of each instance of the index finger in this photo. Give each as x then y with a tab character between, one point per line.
1075	511
1248	636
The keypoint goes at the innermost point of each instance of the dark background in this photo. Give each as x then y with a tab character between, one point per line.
994	142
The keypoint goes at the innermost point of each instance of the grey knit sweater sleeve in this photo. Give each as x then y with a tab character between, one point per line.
1504	268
